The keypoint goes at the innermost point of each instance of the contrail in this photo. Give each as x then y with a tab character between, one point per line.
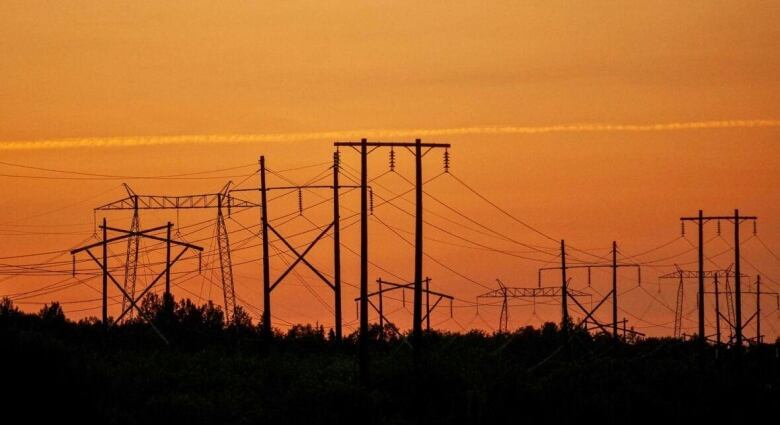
97	142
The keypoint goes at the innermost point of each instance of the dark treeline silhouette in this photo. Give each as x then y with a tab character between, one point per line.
209	373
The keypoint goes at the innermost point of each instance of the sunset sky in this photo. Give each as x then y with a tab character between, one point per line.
535	98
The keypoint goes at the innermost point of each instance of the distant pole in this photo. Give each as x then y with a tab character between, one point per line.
737	283
428	304
336	245
105	274
717	310
758	310
168	261
381	307
564	300
614	291
363	336
418	247
504	312
701	277
266	258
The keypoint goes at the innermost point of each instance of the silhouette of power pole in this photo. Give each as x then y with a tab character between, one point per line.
106	274
222	200
505	293
613	293
755	316
682	275
737	220
363	145
300	257
385	286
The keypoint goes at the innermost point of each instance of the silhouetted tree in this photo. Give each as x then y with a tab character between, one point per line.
7	308
52	313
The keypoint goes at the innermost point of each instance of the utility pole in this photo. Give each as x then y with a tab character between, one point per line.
266	259
418	152
385	286
104	266
758	293
614	291
363	336
717	311
336	245
758	310
300	257
133	300
566	293
428	303
702	336
681	275
381	305
737	220
564	301
168	261
737	283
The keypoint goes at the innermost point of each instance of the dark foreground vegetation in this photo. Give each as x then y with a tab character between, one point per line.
58	370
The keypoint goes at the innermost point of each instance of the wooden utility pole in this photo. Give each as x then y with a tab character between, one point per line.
614	291
168	261
417	148
564	300
266	259
737	283
717	311
418	245
133	300
758	310
701	219
612	329
104	266
363	335
336	246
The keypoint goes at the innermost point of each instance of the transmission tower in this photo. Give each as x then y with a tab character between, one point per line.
131	259
221	201
755	316
683	275
505	293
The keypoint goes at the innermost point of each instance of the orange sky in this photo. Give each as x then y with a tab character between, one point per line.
91	69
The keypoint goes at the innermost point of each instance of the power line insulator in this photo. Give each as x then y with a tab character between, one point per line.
718	227
682	226
755	228
371	200
446	160
336	159
300	202
392	159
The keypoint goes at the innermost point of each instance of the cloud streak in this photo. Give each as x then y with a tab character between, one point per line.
107	142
